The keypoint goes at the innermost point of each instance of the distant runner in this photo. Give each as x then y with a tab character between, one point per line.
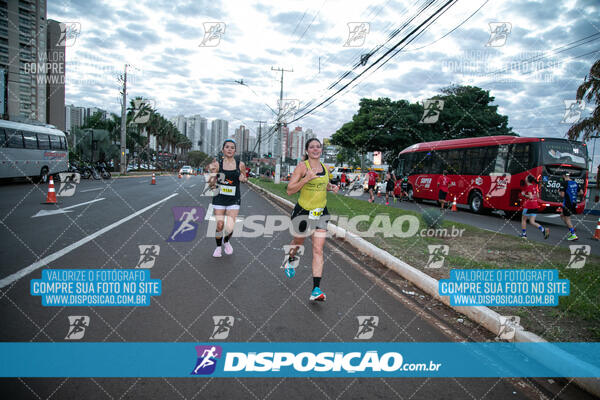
531	195
372	182
227	202
390	179
443	183
569	191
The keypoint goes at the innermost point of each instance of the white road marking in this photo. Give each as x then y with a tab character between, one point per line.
48	259
192	185
43	213
90	190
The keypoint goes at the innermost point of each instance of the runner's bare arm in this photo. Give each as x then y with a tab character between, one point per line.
299	178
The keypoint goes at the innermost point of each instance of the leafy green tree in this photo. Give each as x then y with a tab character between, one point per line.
590	91
390	126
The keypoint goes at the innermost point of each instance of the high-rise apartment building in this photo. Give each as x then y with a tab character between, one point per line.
219	131
55	73
196	131
23	56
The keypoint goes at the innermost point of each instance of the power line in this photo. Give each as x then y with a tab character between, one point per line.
412	32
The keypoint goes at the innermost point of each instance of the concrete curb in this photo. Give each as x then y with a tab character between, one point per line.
484	316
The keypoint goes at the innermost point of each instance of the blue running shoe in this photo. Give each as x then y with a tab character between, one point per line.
317	295
289	268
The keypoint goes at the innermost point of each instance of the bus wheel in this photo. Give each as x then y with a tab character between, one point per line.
43	175
476	202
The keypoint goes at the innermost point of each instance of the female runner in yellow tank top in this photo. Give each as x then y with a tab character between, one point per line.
311	178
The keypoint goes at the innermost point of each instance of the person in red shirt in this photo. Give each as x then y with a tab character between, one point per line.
531	195
443	183
372	181
343	180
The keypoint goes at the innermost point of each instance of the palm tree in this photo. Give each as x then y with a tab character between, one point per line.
590	91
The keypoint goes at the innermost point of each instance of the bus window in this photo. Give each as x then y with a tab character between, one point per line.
501	158
63	143
30	140
455	160
14	139
475	157
2	138
489	161
400	169
43	141
55	142
518	160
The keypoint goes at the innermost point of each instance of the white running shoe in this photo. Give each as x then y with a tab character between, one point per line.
228	249
217	252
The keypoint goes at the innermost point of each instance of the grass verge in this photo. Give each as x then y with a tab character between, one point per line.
576	318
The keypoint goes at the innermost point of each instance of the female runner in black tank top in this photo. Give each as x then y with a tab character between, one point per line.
229	173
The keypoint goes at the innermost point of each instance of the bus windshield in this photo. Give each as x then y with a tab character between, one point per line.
564	152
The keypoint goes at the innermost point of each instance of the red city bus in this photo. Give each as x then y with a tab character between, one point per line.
489	172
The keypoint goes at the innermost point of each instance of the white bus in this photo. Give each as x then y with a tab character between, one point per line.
35	151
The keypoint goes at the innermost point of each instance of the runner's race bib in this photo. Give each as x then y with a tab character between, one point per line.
315	213
227	190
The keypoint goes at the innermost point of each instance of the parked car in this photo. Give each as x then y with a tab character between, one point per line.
186	169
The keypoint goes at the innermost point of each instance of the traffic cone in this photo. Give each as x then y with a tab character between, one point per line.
454	205
51	197
179	175
153	179
597	233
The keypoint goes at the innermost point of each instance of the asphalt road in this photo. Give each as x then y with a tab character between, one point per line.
585	225
249	285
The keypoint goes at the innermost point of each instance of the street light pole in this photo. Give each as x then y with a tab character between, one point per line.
124	122
278	166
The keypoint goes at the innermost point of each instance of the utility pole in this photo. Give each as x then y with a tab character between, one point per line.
124	123
278	166
259	135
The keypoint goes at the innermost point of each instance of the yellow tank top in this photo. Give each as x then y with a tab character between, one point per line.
314	193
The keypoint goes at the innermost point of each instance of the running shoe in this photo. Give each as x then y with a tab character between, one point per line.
387	203
572	236
228	249
217	252
317	295
546	233
523	236
289	269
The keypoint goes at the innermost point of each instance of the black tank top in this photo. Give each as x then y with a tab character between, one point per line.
229	186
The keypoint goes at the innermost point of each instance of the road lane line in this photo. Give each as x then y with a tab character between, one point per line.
90	190
48	259
43	213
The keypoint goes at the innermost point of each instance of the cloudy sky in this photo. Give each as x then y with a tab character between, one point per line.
163	41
